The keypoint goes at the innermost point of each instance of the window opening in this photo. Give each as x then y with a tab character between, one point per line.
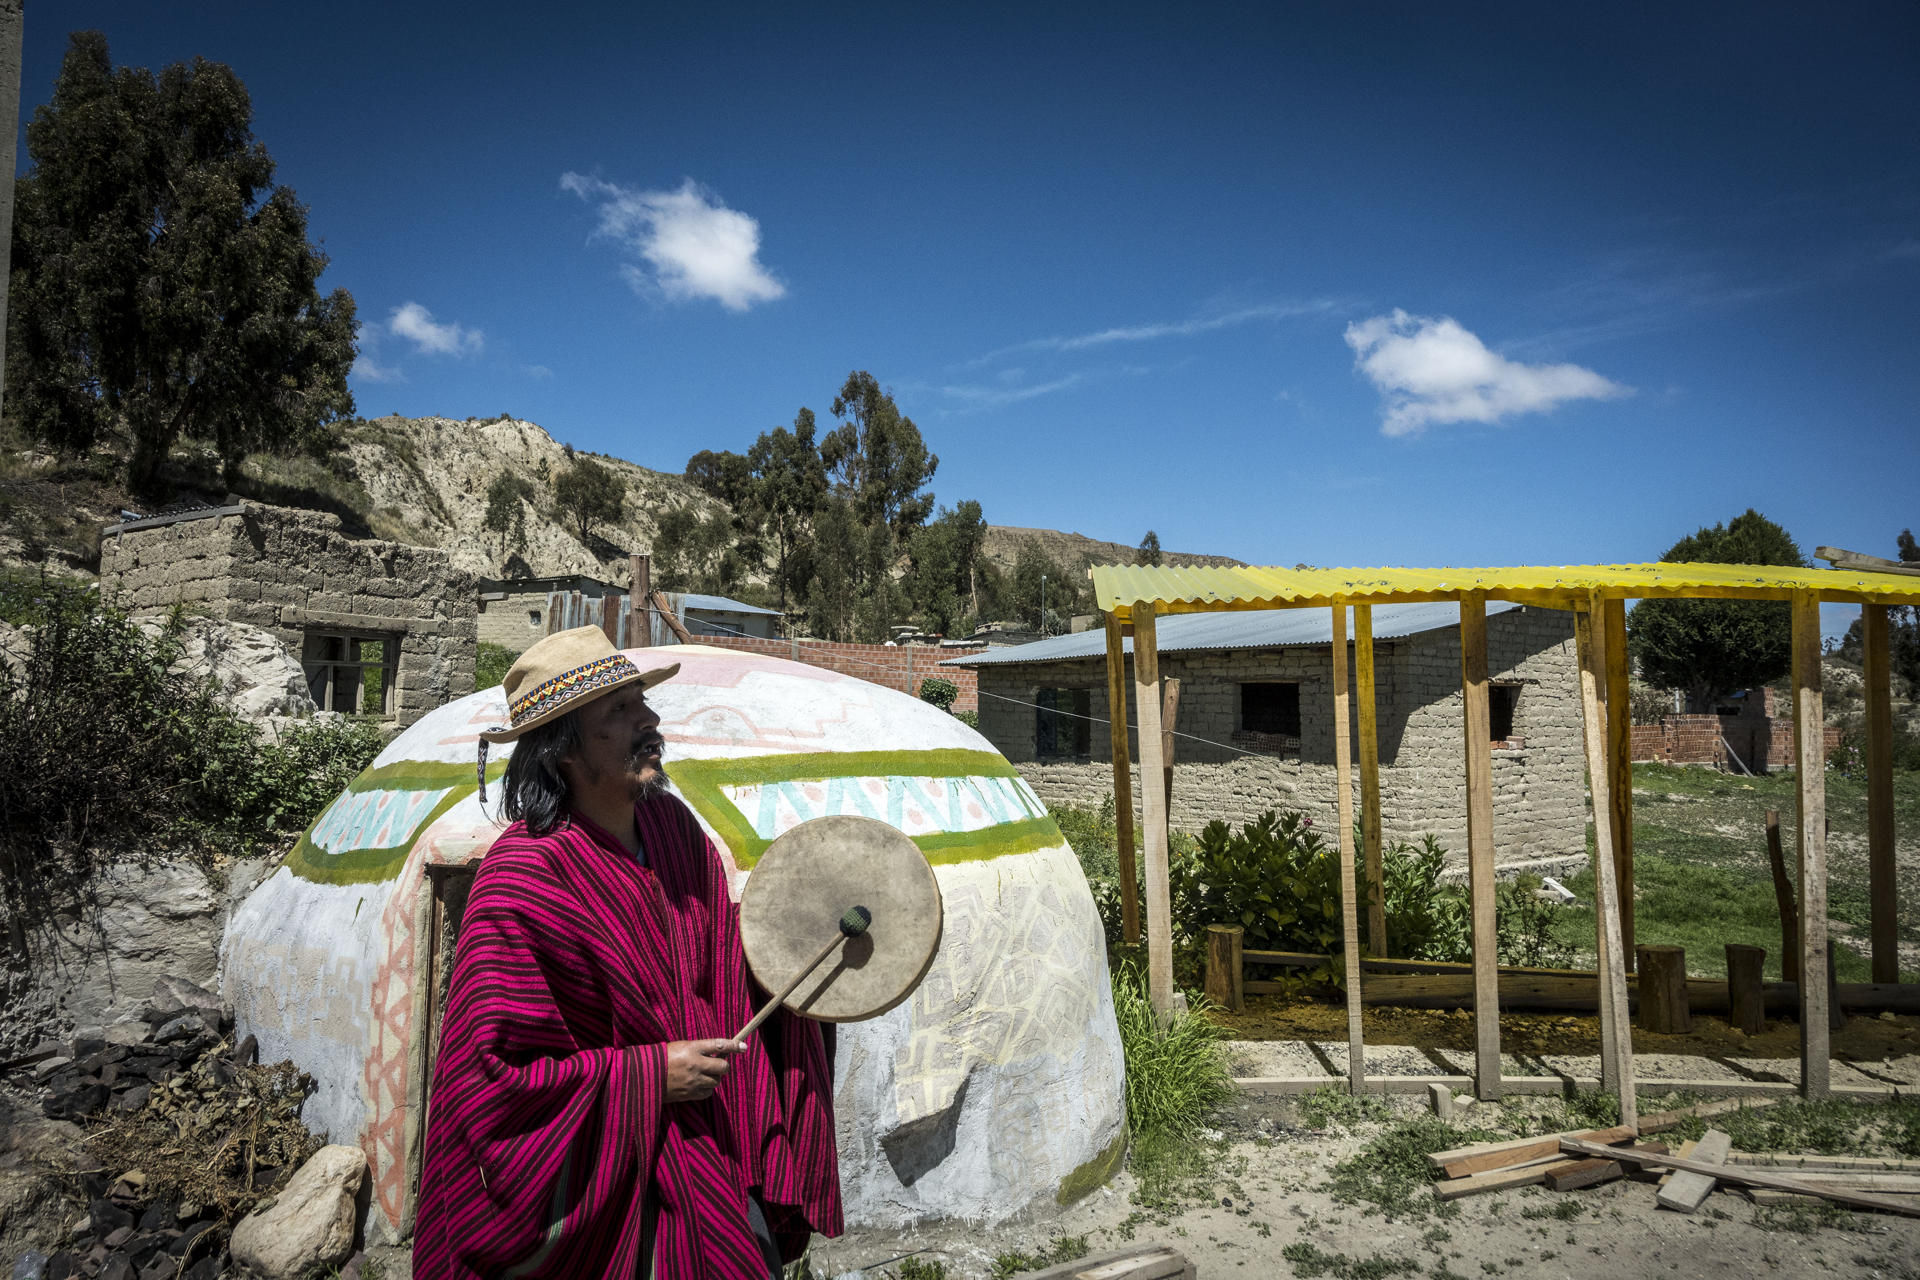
1057	734
353	673
1502	701
1270	708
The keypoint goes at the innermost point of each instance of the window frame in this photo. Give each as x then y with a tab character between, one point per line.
324	672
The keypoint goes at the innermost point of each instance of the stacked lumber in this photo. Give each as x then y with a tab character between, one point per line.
1591	1157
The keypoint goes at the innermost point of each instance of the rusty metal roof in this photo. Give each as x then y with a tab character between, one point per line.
1205	589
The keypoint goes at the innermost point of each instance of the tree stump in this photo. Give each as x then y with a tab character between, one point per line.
1223	966
1746	998
1663	990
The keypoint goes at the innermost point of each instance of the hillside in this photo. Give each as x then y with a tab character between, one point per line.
417	480
1072	551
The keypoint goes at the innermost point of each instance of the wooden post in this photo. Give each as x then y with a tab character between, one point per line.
1153	816
1810	771
1370	782
1122	781
1783	894
1349	893
665	609
1589	629
1225	974
610	619
1663	990
640	592
1479	763
1620	764
1169	716
1746	998
1882	892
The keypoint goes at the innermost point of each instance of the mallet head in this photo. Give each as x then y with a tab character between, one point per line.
854	921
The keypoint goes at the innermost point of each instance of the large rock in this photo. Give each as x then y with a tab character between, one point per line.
309	1225
259	678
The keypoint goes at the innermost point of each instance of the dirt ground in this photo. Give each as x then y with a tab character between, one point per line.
1270	1212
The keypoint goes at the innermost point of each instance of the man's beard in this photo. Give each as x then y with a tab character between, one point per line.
644	752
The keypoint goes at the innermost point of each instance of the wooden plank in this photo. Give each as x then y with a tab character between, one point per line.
1895	1184
1579	1174
1142	1262
1480	873
1591	641
1522	1175
668	616
1225	980
1746	1175
1153	806
1122	782
1620	770
1783	896
1349	892
1169	719
1685	1152
1843	559
1482	1156
1764	1195
1810	774
1823	1164
1686	1191
1370	837
1882	887
1577	992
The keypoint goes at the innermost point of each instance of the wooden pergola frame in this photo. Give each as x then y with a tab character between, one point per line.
1132	598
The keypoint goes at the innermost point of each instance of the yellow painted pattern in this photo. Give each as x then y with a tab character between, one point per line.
1196	589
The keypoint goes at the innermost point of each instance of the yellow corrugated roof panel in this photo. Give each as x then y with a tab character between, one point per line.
1199	589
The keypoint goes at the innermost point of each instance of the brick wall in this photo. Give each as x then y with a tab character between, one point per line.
1703	739
289	571
901	667
1539	787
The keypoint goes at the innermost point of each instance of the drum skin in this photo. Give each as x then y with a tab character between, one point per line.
995	1086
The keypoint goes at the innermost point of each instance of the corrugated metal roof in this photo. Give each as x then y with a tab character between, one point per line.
1204	589
1243	629
717	604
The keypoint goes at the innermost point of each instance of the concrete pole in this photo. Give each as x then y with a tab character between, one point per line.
13	14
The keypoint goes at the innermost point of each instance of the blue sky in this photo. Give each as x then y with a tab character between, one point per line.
1343	284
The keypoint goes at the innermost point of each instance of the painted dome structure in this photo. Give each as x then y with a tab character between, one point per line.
998	1084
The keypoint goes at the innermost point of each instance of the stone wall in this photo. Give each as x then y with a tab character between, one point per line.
290	572
1539	779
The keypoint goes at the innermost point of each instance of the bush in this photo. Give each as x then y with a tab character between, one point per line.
939	691
105	750
491	663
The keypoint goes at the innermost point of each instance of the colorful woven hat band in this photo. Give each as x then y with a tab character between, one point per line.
549	696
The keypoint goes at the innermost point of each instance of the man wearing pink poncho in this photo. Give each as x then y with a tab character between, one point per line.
590	1114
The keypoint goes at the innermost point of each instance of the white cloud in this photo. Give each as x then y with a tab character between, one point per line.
536	371
689	244
416	324
1151	332
366	361
1433	370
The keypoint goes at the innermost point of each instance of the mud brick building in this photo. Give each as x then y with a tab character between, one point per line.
1256	698
381	628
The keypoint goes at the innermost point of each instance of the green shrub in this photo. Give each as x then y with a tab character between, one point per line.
1176	1074
106	751
939	691
971	719
491	663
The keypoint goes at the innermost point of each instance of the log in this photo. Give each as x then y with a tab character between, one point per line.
1688	1190
1745	1175
1225	981
1663	990
1783	895
1746	991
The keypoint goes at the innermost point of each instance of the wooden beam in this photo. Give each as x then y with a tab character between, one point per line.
1810	772
1746	1175
1169	718
1122	781
1479	762
1620	770
1370	841
1349	894
1591	640
667	616
1842	559
1466	1161
1524	1175
1153	810
1753	1092
1882	889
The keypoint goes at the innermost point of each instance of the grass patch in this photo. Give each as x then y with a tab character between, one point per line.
1176	1074
1830	1127
1309	1260
491	664
1331	1104
1063	1249
1391	1173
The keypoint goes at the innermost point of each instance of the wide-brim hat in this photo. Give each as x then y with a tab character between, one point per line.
565	672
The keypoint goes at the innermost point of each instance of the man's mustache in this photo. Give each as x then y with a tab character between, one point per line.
650	745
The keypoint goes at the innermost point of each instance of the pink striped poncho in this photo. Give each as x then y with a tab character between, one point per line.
549	1136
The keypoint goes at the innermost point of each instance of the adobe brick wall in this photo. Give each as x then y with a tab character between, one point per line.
288	570
1540	806
901	667
1762	742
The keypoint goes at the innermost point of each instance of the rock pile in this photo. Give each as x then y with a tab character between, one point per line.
186	1134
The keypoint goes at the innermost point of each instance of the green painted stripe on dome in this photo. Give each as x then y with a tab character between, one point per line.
309	861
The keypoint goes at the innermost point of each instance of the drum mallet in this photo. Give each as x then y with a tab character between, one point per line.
853	923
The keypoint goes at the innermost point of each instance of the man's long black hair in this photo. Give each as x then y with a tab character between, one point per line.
536	789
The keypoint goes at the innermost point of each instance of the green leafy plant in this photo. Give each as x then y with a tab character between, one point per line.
939	691
491	662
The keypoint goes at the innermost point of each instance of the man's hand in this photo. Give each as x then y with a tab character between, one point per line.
696	1067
